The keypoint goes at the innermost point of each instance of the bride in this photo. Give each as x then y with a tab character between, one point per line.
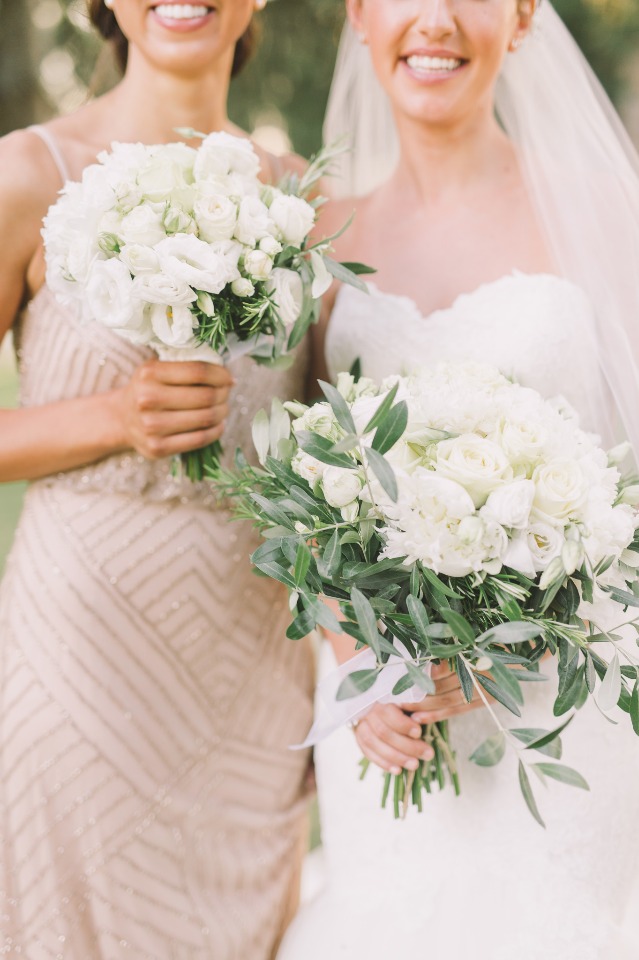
508	232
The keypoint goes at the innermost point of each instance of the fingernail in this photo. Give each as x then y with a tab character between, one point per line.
411	764
396	771
428	753
416	732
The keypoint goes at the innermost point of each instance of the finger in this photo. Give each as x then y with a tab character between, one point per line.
441	670
162	396
404	746
395	718
188	372
184	442
379	761
436	716
171	422
367	737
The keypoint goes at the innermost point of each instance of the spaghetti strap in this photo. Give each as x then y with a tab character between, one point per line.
53	148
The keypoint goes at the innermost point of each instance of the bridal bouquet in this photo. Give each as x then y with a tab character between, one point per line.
459	517
185	251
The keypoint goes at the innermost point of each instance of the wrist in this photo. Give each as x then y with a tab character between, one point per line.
112	438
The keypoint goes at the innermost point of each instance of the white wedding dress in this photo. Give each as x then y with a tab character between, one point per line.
476	877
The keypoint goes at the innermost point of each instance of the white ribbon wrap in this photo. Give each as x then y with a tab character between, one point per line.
333	713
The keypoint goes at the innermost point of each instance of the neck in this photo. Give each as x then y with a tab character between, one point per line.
437	164
149	104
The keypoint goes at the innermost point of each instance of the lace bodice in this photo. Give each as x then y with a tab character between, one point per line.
61	358
537	328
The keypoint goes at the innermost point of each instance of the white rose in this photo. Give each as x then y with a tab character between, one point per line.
319	419
161	288
173	325
560	489
253	221
142	225
203	266
510	505
308	467
110	298
293	217
216	217
287	290
341	486
176	220
139	259
545	542
523	442
479	465
243	287
258	265
167	174
80	256
221	154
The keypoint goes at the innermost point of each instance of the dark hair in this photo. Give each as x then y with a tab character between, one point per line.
104	21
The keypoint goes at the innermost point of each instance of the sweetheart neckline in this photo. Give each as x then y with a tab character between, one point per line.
407	301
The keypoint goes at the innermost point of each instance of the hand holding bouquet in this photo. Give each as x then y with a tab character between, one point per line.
457	517
185	251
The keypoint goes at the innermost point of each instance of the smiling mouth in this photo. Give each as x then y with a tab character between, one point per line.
183	11
421	64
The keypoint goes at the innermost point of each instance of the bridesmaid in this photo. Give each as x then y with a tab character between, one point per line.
149	804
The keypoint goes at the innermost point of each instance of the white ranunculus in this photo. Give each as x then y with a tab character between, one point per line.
341	486
308	467
216	217
510	504
479	465
287	290
242	287
139	259
258	265
142	225
110	296
253	221
293	217
221	154
545	542
203	266
173	325
161	288
560	489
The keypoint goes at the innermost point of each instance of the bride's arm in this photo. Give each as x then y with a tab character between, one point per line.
164	409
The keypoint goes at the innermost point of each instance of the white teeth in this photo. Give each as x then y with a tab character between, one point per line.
430	64
181	11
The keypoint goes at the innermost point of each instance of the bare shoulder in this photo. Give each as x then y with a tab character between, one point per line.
29	183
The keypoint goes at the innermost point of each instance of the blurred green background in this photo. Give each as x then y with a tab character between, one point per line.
50	61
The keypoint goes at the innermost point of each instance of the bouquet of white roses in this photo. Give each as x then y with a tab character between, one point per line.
185	251
458	517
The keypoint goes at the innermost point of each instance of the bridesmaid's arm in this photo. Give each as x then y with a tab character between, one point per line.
164	409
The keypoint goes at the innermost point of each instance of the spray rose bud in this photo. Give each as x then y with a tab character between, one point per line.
242	287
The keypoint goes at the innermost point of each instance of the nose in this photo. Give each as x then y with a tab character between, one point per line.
436	18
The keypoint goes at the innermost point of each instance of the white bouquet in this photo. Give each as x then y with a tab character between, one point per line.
455	516
187	252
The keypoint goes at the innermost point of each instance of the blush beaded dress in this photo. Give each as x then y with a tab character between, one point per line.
150	807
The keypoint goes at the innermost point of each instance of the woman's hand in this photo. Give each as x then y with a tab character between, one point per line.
169	408
390	736
447	701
